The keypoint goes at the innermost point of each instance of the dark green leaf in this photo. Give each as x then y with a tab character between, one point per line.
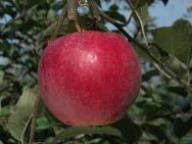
165	1
178	90
181	128
28	3
130	131
148	75
157	131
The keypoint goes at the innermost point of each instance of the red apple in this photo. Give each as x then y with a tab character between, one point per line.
89	78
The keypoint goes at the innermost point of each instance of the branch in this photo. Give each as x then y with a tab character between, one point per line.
138	18
33	121
72	13
157	63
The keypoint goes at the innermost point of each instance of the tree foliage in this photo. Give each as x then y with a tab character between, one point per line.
162	111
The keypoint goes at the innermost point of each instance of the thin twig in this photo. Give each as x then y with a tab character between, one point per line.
158	63
33	121
138	17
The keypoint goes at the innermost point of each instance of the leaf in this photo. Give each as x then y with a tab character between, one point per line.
157	131
130	131
178	90
113	12
1	142
1	76
181	128
176	39
43	123
149	74
28	3
165	2
175	65
20	117
144	14
141	17
143	2
74	131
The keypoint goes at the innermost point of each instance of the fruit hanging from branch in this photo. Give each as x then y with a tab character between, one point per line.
89	78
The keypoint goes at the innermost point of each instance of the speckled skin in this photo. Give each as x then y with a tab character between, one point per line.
89	78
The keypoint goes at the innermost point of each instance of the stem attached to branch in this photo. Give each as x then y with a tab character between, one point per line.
72	13
94	9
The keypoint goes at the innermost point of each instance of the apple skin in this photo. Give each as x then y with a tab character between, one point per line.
89	78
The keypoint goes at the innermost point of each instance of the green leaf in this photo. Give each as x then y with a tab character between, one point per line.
1	76
149	74
113	12
178	90
130	131
20	117
28	3
1	142
143	2
144	14
74	131
181	128
176	39
43	123
157	131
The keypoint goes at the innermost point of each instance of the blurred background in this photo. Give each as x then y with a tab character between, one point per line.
161	33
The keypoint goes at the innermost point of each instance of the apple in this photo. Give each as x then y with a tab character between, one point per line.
89	78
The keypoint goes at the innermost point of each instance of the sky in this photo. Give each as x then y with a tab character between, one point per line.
166	15
163	15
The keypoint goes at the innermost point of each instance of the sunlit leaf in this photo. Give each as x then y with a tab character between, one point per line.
176	39
20	117
74	131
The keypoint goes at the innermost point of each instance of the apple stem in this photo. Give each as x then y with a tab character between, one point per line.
94	9
72	13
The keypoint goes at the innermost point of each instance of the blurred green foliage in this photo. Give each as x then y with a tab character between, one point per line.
160	115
